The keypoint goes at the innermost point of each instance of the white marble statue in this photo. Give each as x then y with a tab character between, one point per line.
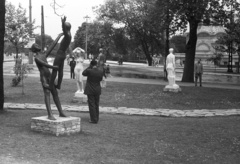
170	66
79	55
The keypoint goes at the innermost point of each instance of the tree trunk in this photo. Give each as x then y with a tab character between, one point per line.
238	63
146	52
2	29
188	72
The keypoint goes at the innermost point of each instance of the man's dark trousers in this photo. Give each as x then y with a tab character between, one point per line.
72	73
93	103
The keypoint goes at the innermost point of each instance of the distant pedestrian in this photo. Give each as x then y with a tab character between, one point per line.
120	60
107	71
101	58
93	89
198	70
90	57
72	67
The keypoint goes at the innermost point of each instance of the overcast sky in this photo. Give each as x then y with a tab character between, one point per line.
74	10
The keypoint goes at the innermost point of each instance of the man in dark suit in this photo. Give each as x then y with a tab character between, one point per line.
72	66
93	89
198	70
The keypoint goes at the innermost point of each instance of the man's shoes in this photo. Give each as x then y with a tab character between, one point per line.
92	122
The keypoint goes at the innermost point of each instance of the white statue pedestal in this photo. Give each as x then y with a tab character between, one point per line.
80	97
60	126
172	87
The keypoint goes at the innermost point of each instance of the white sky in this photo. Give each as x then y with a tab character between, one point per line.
74	10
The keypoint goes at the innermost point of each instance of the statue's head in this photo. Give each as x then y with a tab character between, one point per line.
171	50
68	26
35	48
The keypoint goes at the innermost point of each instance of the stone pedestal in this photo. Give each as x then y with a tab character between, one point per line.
172	88
60	126
79	97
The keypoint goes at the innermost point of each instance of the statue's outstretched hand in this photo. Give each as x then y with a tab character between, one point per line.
61	34
64	19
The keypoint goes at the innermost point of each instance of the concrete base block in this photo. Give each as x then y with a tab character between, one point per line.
169	89
60	126
79	97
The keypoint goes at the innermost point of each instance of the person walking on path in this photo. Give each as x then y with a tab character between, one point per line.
93	89
198	70
72	67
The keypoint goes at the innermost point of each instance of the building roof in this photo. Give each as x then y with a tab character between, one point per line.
211	30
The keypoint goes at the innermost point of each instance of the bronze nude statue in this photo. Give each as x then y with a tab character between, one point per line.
61	55
46	77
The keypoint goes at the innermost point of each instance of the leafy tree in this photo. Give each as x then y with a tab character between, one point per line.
228	43
99	36
194	12
17	27
216	58
179	43
139	18
48	43
2	29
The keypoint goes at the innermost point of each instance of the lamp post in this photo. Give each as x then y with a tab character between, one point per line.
167	39
30	56
86	17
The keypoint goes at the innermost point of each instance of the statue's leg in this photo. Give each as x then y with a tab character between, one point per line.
47	103
81	86
53	77
77	80
60	76
57	102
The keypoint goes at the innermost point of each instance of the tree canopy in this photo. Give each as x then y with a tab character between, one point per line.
17	26
141	20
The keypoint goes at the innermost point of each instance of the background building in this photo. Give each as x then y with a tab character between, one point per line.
207	36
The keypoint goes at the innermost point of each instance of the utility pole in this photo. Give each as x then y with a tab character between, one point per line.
167	40
86	17
42	32
30	55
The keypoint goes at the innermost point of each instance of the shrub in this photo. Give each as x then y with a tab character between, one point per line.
15	81
21	71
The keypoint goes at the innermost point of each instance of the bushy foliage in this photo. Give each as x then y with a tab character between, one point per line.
21	71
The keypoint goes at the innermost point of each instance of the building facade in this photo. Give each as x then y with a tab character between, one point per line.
207	36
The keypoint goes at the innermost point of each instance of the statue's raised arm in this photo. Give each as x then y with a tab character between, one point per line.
61	53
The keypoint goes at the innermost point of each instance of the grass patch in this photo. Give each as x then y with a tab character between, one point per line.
130	95
120	139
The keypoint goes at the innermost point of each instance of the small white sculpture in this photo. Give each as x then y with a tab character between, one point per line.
79	54
170	66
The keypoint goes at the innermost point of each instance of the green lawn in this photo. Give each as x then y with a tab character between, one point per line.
131	95
119	139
